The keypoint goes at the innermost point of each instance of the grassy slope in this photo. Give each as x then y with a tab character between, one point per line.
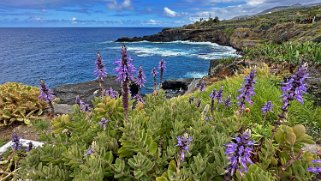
276	27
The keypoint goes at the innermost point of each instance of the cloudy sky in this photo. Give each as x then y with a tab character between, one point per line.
126	13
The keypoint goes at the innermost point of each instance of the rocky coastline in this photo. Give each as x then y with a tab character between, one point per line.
66	94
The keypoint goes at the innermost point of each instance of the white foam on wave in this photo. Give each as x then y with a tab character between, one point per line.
146	49
106	42
152	51
196	75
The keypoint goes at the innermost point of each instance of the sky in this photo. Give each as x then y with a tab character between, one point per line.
127	13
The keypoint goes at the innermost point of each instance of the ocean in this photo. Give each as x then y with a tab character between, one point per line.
67	55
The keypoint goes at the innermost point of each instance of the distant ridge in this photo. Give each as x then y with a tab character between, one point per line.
278	8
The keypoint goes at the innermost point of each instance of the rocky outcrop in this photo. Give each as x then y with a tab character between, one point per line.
224	68
196	35
67	93
178	87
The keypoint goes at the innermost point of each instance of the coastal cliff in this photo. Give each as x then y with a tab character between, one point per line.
289	25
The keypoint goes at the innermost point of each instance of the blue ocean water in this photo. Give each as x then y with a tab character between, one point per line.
67	55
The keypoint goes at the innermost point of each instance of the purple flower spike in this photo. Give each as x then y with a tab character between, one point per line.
228	102
219	95
45	93
100	68
139	98
16	145
247	91
202	86
154	73
268	107
293	89
103	123
213	96
111	93
83	106
239	153
162	67
141	78
125	70
183	143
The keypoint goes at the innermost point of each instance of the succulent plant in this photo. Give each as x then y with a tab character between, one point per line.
19	103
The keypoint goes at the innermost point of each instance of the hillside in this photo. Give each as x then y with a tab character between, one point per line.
277	27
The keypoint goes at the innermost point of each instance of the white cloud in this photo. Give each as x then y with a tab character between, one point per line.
126	4
73	19
152	22
255	2
170	12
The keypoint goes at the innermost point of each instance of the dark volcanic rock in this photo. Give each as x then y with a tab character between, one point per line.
177	84
67	93
177	87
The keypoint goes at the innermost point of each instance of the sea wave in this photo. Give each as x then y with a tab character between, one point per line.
212	50
195	74
152	51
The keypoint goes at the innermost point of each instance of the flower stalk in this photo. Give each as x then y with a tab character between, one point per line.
46	95
125	70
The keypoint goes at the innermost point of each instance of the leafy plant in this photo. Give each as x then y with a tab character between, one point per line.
19	103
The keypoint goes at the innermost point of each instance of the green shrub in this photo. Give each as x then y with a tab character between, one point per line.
145	148
19	103
292	52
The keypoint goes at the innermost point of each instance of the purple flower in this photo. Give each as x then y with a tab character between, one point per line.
30	146
213	96
103	123
293	89
125	70
228	102
202	86
162	67
83	106
219	95
100	68
90	151
16	145
247	91
110	92
154	73
183	143
239	153
139	98
316	169
268	107
45	93
141	78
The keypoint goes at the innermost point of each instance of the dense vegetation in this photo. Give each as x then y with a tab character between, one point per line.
296	24
82	146
290	52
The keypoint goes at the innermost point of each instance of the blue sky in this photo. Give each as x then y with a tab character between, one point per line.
126	13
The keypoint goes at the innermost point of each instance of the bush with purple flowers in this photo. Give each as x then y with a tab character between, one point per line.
151	146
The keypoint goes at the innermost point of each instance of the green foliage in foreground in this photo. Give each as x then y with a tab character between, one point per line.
293	52
145	147
19	103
